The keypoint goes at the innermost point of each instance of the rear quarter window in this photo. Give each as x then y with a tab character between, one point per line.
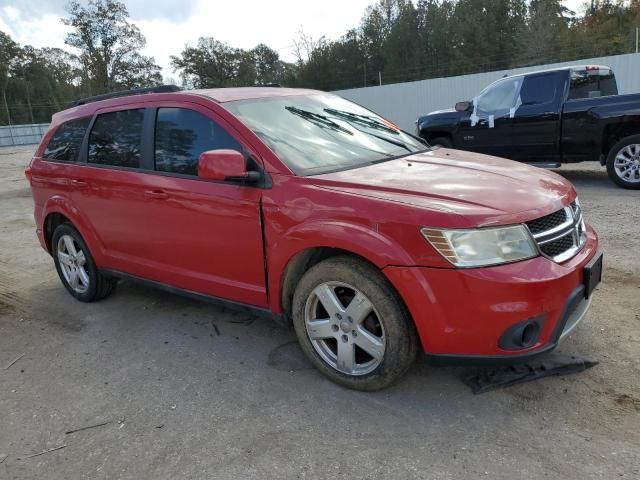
65	143
116	139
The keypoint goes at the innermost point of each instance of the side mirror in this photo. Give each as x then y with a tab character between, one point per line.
225	165
463	106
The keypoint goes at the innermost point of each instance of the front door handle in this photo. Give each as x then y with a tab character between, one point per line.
156	194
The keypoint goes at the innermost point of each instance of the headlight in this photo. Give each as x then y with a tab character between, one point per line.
482	247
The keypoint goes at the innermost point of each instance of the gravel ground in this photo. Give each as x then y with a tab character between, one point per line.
190	390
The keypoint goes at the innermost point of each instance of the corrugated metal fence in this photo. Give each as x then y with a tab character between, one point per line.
22	134
403	103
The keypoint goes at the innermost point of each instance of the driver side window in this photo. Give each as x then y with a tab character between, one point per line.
500	98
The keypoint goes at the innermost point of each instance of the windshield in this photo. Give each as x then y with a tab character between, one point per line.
320	133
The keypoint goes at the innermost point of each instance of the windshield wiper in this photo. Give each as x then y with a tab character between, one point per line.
364	120
370	122
318	119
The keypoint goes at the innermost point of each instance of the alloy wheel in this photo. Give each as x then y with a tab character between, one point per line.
345	328
627	163
73	263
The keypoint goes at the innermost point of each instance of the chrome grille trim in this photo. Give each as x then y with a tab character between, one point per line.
572	230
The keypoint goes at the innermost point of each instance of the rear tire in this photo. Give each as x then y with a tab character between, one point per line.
352	325
444	142
623	163
76	267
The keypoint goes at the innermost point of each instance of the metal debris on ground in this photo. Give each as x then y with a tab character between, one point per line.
215	328
10	364
487	379
42	453
81	429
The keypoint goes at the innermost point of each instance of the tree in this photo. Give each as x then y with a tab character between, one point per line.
8	53
109	47
210	64
401	49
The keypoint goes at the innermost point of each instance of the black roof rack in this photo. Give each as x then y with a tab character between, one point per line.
126	93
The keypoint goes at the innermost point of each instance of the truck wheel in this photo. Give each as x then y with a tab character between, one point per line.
351	324
76	268
623	163
444	142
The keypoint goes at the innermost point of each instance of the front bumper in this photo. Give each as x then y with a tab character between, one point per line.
461	314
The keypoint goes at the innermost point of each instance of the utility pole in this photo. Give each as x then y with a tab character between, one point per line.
6	106
26	86
380	78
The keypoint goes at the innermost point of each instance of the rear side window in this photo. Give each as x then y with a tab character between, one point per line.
116	138
592	84
182	135
65	144
539	89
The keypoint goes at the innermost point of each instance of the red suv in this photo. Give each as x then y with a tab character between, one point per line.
319	212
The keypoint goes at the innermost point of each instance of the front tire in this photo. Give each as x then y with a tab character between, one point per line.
76	268
351	324
623	163
443	142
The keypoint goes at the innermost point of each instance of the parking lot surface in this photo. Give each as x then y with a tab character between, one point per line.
185	389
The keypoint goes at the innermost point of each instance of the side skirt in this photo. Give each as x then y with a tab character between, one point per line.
222	302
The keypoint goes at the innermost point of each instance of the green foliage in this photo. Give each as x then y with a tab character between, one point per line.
403	40
213	64
109	47
397	40
35	83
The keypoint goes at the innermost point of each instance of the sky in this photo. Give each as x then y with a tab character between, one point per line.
169	25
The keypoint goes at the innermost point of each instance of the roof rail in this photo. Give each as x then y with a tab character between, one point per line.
126	93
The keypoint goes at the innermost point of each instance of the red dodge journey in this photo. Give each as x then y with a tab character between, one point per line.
314	210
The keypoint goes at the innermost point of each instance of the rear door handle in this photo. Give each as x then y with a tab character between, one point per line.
156	194
79	183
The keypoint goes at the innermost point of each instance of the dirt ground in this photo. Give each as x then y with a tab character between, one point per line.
189	390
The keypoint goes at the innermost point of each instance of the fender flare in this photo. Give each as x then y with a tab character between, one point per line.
62	205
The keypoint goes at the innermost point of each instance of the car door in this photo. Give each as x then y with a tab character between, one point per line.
488	128
108	191
200	235
155	219
536	123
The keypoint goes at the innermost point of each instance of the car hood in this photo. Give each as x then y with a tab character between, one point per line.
479	190
440	117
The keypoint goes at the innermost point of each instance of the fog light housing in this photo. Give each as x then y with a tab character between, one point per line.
522	335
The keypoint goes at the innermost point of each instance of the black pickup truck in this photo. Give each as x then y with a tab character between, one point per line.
546	118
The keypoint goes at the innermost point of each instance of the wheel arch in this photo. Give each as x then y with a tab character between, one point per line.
59	210
430	135
614	132
302	253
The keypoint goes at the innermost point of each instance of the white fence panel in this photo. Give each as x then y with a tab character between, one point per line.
22	134
403	103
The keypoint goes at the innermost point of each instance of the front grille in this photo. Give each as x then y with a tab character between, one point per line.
557	247
547	222
559	235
